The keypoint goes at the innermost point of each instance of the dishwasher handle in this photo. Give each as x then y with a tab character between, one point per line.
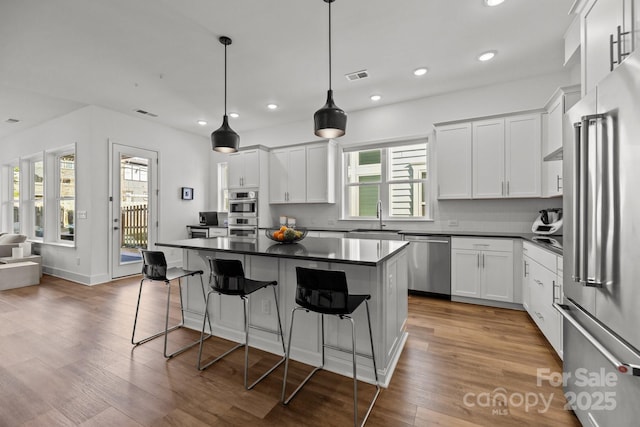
426	240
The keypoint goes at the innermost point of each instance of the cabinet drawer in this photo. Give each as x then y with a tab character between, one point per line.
500	245
548	321
542	256
540	286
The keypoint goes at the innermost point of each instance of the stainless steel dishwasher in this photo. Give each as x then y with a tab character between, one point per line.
430	265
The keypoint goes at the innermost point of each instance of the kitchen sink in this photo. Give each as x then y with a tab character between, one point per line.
375	234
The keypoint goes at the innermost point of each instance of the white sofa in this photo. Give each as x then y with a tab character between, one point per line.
9	241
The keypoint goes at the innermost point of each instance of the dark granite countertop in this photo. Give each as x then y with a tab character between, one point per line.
341	250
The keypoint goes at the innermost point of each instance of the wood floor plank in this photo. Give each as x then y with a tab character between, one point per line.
66	359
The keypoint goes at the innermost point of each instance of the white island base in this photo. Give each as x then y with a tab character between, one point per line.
386	282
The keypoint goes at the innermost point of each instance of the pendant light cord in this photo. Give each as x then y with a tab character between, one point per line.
329	45
225	79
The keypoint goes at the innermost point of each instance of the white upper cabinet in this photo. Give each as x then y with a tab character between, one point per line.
244	168
523	144
453	159
488	159
303	173
321	173
561	101
608	33
287	178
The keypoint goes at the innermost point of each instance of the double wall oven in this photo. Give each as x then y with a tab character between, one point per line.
243	214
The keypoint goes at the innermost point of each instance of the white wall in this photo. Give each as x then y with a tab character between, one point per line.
183	159
416	118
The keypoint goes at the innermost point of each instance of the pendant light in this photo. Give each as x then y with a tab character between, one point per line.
330	121
225	139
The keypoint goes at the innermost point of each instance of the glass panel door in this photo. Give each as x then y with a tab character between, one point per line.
133	207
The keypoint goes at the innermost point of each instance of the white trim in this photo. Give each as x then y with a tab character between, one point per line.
384	143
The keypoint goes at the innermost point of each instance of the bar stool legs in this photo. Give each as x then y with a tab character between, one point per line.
167	329
353	353
247	326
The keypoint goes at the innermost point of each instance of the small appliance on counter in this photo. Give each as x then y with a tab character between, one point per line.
549	221
208	218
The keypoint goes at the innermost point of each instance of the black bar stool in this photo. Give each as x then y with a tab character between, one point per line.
227	278
154	268
326	292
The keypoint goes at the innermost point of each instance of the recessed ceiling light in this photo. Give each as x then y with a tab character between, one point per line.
272	106
487	56
375	97
493	2
420	71
202	122
234	115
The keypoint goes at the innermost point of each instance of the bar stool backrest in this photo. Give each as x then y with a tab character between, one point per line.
154	265
229	275
322	290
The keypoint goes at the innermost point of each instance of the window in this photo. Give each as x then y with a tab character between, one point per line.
37	197
15	209
66	195
396	175
223	187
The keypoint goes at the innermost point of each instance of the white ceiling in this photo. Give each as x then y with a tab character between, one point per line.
163	56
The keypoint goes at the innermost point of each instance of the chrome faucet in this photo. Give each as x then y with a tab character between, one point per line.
379	213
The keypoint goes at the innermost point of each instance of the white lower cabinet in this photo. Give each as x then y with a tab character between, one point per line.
482	268
541	288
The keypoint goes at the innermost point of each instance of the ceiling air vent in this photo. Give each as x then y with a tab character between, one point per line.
12	121
363	74
146	113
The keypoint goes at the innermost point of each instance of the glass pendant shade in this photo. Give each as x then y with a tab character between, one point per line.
225	139
330	121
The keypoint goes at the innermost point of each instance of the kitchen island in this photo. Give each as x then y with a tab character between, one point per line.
375	267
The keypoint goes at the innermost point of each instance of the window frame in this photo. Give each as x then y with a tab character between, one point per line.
59	198
33	201
386	182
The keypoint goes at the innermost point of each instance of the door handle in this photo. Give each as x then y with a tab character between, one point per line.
622	367
558	179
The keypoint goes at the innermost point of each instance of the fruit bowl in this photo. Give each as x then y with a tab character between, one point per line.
285	234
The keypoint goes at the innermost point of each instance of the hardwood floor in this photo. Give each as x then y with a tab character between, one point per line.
66	360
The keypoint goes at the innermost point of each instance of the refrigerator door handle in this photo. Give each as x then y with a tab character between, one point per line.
621	367
578	195
591	204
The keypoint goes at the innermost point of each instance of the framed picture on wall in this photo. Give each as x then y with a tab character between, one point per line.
187	193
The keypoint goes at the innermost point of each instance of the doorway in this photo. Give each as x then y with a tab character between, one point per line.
134	207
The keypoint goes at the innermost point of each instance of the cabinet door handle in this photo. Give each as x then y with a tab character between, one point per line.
556	298
482	260
621	55
558	180
478	259
526	273
611	61
538	282
508	188
618	42
503	188
539	316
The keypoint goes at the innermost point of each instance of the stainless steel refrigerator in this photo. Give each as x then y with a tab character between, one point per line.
601	305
